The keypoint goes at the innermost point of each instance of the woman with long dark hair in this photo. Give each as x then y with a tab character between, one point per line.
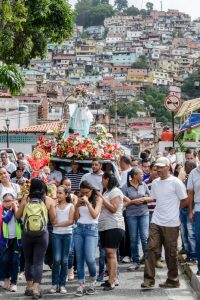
61	239
35	234
111	224
137	213
87	212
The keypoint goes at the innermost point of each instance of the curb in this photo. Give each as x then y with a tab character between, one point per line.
189	272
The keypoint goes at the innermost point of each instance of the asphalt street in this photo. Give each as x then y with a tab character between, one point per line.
129	288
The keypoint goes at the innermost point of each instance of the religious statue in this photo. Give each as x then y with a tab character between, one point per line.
38	160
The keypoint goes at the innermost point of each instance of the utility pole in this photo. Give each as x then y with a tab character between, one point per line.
115	118
161	5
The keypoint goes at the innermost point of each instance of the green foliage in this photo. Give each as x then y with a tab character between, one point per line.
190	86
149	6
153	103
121	5
26	26
10	77
141	63
129	109
132	11
92	12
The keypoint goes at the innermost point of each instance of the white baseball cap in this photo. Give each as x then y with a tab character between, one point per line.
162	162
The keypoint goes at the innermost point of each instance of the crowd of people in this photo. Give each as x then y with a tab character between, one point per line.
153	201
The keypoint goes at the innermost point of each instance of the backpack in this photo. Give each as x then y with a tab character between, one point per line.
35	217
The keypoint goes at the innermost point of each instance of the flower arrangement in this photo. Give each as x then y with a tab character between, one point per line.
24	188
78	147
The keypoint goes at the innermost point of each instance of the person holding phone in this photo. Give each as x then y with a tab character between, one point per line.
87	211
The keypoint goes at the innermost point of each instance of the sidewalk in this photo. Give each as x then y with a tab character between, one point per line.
190	270
128	289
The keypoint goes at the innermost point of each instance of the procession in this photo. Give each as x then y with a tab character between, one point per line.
76	199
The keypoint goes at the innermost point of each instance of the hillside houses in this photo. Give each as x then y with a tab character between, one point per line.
115	61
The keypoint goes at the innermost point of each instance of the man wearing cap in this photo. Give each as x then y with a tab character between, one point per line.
169	193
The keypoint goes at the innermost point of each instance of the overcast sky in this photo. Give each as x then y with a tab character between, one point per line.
192	7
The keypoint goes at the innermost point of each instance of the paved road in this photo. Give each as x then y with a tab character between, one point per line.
129	289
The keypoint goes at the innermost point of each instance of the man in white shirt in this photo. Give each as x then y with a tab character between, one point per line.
55	175
95	177
125	165
7	164
169	193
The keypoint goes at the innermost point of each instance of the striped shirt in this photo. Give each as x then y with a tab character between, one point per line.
75	179
151	205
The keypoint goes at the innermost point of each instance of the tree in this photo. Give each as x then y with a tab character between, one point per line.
121	5
149	6
191	85
141	63
132	11
11	78
153	102
26	26
92	12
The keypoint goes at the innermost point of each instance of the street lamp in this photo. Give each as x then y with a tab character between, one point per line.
7	132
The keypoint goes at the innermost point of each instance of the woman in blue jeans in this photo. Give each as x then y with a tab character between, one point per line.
87	212
61	239
137	213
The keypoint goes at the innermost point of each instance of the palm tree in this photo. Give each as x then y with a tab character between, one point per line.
11	78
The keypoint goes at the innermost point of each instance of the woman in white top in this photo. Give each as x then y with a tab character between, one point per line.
61	240
6	186
87	212
111	224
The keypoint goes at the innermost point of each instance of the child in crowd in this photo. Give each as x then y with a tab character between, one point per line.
10	242
61	240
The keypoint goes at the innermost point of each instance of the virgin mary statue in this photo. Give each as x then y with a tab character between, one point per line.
79	121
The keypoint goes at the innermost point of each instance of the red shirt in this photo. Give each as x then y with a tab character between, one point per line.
167	136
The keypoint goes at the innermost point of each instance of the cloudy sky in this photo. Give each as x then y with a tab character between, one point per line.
190	6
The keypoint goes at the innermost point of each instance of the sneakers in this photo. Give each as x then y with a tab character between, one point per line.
169	284
63	290
100	277
133	267
70	274
126	260
1	283
28	292
53	289
21	276
108	286
80	291
91	289
159	264
106	282
36	295
6	284
198	273
13	288
147	284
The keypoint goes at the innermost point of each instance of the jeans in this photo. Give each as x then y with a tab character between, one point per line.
197	236
85	241
102	259
71	254
188	234
138	225
10	260
61	246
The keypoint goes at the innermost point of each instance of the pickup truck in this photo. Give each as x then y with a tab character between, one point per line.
64	165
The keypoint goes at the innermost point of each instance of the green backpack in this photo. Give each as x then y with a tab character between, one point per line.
35	217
